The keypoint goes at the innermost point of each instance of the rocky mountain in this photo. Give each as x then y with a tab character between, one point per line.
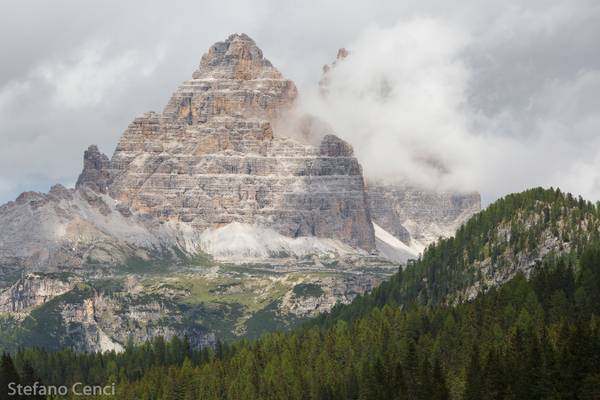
211	219
212	158
207	175
209	159
73	230
419	216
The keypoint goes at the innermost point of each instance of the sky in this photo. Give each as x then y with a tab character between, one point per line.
493	96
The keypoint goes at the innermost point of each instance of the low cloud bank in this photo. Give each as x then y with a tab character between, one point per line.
404	99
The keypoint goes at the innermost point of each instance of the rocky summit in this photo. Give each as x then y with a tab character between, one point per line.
212	158
123	255
209	220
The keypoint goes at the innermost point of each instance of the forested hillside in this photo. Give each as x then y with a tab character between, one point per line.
533	335
511	235
535	339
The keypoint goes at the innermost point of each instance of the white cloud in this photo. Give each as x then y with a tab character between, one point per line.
402	99
399	98
85	79
160	53
502	93
10	91
5	187
60	106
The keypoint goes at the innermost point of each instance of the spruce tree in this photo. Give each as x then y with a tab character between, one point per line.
439	389
474	382
8	375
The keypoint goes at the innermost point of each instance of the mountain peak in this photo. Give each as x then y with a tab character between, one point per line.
238	57
95	172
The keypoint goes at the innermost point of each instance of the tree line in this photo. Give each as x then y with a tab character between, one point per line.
535	337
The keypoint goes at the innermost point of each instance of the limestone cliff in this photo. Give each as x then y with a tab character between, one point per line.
95	172
418	216
34	290
212	158
58	310
122	255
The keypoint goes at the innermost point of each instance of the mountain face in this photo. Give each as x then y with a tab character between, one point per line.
76	230
207	222
123	255
417	216
208	160
211	158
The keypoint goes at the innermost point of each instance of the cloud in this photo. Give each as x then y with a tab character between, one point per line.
403	98
5	187
60	106
495	96
84	80
399	99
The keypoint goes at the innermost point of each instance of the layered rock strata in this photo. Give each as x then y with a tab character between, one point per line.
419	216
211	157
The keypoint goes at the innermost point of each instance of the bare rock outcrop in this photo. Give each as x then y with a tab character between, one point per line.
96	173
76	230
211	157
326	78
34	290
419	216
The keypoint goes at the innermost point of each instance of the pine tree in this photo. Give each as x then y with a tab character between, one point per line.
8	376
439	386
474	382
28	378
412	371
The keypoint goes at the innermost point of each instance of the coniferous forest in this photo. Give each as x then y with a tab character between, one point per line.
536	336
